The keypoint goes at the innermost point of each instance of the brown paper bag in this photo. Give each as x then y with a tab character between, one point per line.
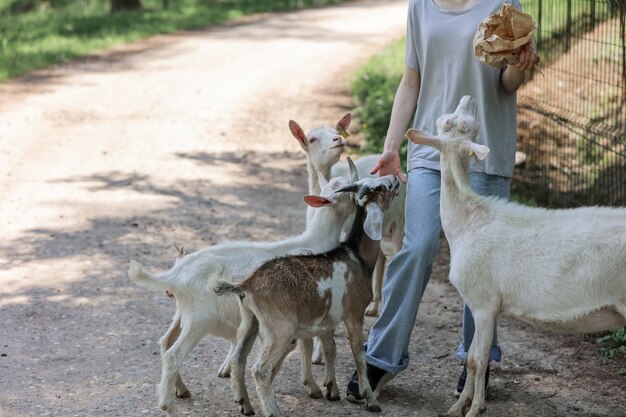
500	36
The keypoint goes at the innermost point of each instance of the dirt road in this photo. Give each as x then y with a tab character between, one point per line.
183	139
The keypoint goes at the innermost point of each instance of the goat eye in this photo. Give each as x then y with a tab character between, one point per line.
312	140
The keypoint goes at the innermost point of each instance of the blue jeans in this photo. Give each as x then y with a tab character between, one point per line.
409	271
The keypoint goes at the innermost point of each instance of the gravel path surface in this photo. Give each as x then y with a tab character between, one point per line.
183	139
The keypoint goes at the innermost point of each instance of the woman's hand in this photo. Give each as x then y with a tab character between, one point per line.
389	164
528	58
514	74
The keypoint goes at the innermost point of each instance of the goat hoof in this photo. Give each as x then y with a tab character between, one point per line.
331	397
183	394
373	309
332	394
374	408
316	394
224	371
249	413
371	312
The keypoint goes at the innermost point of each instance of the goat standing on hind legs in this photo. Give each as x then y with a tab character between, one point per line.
561	270
305	296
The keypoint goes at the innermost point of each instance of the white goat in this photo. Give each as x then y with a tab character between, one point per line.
562	270
323	146
200	312
305	296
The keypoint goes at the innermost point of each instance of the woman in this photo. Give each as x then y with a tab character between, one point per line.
440	68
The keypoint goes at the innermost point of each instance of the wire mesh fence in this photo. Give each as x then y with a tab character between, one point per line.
572	120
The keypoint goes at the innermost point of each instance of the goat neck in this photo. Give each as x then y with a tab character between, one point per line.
460	205
314	187
324	224
359	242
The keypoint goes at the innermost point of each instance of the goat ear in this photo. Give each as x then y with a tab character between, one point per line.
343	123
421	138
317	201
478	151
299	134
373	225
354	175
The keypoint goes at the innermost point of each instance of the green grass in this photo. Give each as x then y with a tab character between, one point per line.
72	28
373	89
614	345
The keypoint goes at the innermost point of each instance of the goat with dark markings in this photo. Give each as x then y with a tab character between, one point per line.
304	296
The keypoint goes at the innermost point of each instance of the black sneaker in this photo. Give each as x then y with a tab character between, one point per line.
461	384
375	376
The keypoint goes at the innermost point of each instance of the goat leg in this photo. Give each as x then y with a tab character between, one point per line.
224	371
318	354
172	360
246	335
272	352
377	285
306	347
479	359
330	353
354	328
166	342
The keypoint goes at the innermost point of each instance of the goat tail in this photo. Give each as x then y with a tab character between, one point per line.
145	279
226	288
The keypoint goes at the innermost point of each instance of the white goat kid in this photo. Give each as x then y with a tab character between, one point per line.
200	312
304	296
562	270
323	146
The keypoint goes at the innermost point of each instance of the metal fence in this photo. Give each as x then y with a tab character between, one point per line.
572	120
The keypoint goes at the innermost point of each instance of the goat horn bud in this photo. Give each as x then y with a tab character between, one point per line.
349	189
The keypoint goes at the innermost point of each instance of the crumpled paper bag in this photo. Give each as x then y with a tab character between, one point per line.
500	36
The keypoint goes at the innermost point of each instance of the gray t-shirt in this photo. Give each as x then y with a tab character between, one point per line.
440	48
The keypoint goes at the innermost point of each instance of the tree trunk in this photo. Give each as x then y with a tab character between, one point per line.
121	5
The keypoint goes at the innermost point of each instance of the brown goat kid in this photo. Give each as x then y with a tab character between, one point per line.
309	295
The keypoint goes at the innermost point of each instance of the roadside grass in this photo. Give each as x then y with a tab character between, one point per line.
37	33
373	89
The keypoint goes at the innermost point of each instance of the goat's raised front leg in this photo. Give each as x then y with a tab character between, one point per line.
377	285
272	352
246	335
354	327
473	395
172	360
166	342
306	348
330	353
